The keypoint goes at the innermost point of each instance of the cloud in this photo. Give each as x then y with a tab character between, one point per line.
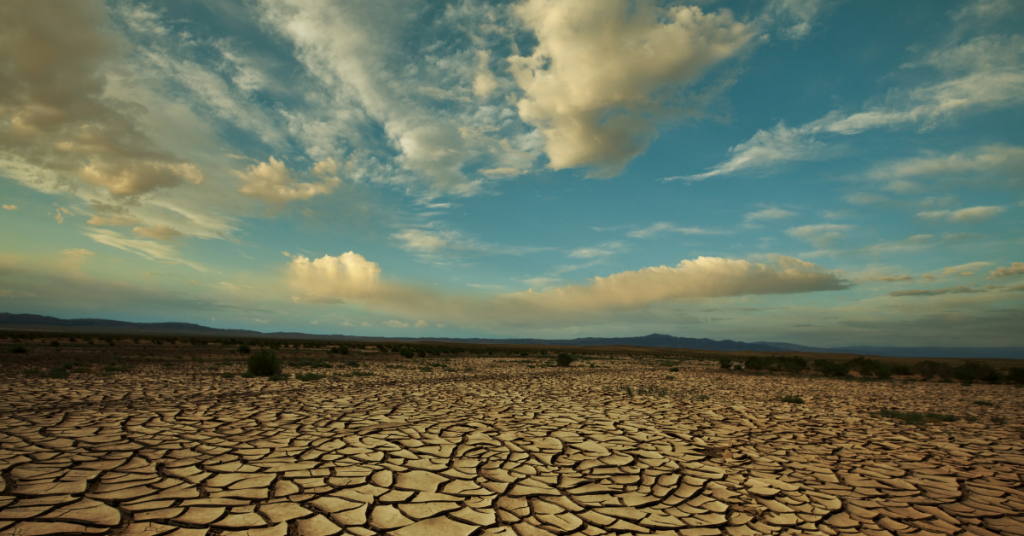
421	323
77	252
157	232
890	279
604	71
1016	268
990	158
968	267
704	277
10	207
333	279
55	114
664	227
794	16
821	235
433	241
962	215
604	250
938	292
144	248
395	324
484	83
772	213
273	183
984	73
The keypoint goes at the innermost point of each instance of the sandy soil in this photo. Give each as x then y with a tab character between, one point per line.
497	446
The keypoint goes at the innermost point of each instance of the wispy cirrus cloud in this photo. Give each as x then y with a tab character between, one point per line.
970	214
665	227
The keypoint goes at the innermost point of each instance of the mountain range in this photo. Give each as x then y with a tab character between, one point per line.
29	322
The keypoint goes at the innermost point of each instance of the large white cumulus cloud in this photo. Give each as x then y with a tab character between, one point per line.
604	69
333	279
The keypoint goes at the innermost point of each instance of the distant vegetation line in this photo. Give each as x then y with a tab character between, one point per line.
30	322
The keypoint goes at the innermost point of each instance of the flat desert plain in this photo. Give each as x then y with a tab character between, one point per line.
497	445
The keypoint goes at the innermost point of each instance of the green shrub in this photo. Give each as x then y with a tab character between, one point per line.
54	343
58	373
426	369
248	374
353	363
407	353
793	399
311	377
343	350
421	353
279	377
361	373
971	371
929	369
674	369
1015	375
244	349
19	349
227	375
113	368
265	363
33	373
996	419
982	403
832	368
563	360
901	370
725	363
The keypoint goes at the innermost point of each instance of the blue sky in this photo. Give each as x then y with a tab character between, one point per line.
814	171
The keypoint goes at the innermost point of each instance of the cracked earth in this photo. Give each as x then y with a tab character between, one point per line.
508	449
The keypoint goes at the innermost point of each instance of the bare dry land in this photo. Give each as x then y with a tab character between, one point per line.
146	439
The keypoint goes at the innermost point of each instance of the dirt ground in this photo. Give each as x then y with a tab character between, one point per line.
153	440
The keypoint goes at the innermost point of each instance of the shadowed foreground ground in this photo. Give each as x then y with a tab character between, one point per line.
505	449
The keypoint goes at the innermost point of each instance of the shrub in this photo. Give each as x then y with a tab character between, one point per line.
793	399
227	375
725	362
407	353
54	343
244	349
1015	375
982	403
421	353
870	367
311	377
996	419
279	377
19	349
343	350
674	369
929	369
361	373
970	418
426	369
971	371
563	360
352	363
248	374
265	363
58	373
33	372
113	368
901	370
832	368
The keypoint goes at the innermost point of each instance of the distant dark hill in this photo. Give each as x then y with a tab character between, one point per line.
654	340
28	322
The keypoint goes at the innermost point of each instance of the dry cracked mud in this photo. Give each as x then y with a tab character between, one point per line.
504	449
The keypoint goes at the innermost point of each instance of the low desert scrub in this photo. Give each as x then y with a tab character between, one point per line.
244	349
870	367
115	368
279	377
793	399
19	349
248	374
311	377
982	403
227	375
771	363
563	360
996	419
916	418
426	369
265	363
725	363
832	368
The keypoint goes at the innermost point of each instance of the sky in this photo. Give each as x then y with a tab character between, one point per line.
819	172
